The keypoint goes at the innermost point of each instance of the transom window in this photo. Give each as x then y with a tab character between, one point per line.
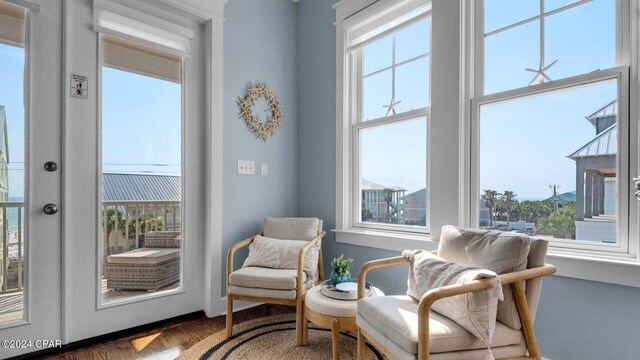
550	122
388	56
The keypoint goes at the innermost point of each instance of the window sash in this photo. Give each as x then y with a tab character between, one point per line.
621	74
356	188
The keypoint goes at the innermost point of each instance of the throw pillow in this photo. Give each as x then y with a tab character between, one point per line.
282	254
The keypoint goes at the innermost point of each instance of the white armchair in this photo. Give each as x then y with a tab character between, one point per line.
276	286
403	328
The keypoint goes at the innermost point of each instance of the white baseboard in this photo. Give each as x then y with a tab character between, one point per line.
238	305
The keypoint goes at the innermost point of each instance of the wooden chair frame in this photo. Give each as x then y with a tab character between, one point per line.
298	302
516	279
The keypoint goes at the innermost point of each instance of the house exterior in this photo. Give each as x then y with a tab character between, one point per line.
415	211
596	178
376	208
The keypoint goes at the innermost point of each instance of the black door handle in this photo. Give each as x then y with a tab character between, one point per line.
50	209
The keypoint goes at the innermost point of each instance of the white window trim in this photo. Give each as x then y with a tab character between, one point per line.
348	227
622	268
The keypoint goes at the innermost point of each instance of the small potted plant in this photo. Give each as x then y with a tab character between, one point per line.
340	270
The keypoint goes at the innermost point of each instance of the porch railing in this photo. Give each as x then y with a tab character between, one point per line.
124	223
12	242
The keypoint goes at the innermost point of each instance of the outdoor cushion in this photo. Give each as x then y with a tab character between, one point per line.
265	278
398	316
501	252
282	254
147	256
292	228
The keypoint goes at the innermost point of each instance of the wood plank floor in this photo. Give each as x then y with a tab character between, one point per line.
168	341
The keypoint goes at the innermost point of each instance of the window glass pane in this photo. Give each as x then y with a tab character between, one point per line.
582	39
550	5
576	41
141	180
508	54
376	95
377	55
12	163
393	171
412	85
548	164
501	13
413	41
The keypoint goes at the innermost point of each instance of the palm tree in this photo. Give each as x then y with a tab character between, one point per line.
507	197
490	197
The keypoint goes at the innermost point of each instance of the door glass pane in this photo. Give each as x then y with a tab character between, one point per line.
141	170
393	173
12	162
548	164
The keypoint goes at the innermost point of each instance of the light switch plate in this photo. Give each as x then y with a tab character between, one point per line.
246	167
264	169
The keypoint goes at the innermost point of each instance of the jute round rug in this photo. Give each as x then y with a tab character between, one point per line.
273	338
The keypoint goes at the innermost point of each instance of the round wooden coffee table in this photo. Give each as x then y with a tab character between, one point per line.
328	313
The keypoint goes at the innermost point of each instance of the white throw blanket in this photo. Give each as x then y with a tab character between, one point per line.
476	312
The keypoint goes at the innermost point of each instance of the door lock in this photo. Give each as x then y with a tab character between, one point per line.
637	186
50	209
50	166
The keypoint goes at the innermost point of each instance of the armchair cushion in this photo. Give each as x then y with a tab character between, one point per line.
396	318
265	278
292	228
476	311
501	252
282	254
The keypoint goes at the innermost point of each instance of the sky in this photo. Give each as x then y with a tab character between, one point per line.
523	142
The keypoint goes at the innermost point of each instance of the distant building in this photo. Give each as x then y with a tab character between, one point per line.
415	211
596	178
381	204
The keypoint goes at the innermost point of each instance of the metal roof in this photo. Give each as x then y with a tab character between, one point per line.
370	185
611	109
144	187
605	144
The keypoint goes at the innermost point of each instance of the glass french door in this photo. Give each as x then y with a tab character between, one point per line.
30	175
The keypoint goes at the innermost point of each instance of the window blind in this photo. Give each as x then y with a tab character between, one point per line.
128	56
12	24
120	21
383	18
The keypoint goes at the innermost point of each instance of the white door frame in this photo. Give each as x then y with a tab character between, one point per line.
43	119
202	153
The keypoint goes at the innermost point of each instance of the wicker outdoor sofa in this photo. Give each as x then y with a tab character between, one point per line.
151	268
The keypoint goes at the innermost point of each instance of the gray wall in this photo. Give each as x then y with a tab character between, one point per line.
576	319
259	46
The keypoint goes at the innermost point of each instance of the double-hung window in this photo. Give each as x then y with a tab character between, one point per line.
550	122
385	118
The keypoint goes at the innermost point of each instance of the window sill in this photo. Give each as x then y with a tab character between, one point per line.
387	240
618	271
